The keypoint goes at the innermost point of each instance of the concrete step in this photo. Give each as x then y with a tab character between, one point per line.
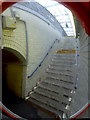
64	90
61	78
63	61
61	84
57	97
46	107
62	58
60	68
56	73
49	89
58	81
61	65
49	102
54	90
65	55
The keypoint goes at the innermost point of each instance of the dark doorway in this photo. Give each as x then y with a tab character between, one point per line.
12	76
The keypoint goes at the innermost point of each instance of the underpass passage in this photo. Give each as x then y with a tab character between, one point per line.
55	91
11	77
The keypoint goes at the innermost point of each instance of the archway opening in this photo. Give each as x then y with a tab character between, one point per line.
12	76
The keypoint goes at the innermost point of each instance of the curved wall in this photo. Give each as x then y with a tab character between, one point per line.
16	39
81	95
40	37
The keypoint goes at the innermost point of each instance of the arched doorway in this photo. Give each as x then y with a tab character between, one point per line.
13	71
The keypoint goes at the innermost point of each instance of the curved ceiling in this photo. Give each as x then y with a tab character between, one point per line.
80	9
61	13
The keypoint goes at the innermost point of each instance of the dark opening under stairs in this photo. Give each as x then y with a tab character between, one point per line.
55	92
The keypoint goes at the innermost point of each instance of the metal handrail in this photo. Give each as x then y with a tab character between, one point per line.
42	60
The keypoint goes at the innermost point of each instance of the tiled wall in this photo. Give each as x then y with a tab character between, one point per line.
40	37
16	39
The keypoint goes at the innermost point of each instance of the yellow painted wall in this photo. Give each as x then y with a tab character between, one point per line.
15	40
14	78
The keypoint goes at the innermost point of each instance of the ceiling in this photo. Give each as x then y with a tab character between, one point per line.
80	9
61	13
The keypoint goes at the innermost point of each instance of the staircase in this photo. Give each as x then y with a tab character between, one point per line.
55	92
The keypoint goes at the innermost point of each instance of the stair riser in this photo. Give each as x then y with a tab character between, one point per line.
48	108
59	75
60	69
63	58
61	65
59	72
59	99
50	91
57	87
59	79
49	102
64	61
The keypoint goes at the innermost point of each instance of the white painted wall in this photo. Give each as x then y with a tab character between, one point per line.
80	98
40	38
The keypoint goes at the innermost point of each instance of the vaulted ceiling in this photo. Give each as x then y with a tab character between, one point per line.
80	9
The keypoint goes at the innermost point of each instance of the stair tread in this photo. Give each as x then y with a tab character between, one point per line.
49	102
57	90
53	78
48	108
65	55
61	58
58	82
63	61
54	97
46	83
54	92
42	90
60	69
61	65
48	88
59	72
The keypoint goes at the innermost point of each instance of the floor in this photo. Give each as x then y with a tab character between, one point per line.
22	108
